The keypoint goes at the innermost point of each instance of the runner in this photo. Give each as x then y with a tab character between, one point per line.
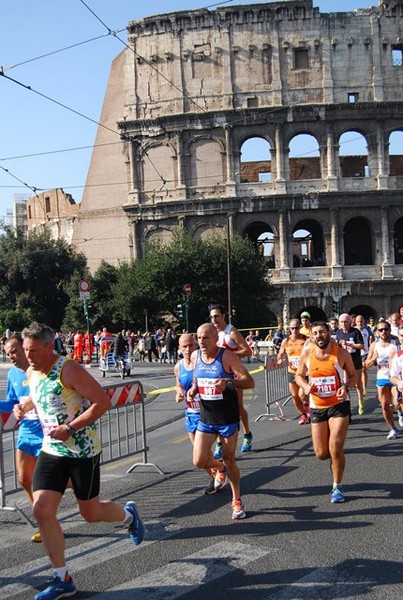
69	402
231	339
331	374
349	338
183	371
291	348
30	434
382	352
218	374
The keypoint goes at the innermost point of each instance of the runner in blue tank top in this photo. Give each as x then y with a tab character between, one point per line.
184	380
218	373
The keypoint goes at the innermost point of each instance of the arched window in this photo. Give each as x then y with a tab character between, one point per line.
262	236
307	244
255	164
304	157
357	242
396	153
353	155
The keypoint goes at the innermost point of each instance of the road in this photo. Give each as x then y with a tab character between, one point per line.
294	543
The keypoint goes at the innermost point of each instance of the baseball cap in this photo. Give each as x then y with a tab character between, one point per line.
305	314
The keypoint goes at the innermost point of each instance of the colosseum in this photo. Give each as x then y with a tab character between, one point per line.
274	121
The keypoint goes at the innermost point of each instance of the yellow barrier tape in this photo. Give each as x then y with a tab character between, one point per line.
172	389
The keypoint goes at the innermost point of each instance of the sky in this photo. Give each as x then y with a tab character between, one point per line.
62	50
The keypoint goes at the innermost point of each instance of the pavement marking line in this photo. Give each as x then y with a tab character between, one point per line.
23	577
160	391
182	576
116	464
321	584
180	439
257	370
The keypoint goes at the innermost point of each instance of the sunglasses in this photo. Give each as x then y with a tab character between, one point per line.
215	316
383	329
294	327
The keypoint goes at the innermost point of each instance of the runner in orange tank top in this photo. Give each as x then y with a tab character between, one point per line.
291	348
331	373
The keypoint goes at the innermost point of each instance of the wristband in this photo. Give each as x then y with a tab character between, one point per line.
70	430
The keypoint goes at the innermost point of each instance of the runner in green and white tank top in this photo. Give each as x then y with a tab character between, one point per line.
57	405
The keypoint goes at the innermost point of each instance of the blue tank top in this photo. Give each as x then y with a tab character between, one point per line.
185	378
217	408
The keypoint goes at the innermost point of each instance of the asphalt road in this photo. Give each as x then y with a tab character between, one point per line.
294	544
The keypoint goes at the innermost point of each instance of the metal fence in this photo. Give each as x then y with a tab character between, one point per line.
123	433
276	389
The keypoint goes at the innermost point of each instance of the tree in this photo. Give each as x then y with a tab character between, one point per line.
34	274
156	283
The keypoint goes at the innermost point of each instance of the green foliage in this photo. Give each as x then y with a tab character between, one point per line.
155	284
39	281
34	273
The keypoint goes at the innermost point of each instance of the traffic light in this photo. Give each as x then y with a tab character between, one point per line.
335	306
180	310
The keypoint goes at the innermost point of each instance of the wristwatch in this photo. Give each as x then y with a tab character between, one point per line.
70	429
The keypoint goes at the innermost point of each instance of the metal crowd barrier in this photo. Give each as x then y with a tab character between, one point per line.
123	433
276	389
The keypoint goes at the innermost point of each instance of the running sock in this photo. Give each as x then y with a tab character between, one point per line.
128	516
60	572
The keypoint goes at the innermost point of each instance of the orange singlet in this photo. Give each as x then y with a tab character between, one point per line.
325	376
293	349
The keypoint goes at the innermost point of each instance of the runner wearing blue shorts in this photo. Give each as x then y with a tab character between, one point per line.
218	374
30	434
183	371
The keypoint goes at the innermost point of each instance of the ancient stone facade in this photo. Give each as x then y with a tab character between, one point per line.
194	87
54	210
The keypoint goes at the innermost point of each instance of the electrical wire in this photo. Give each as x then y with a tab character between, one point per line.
114	33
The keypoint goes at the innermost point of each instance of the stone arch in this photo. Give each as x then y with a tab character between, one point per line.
255	160
264	239
308	247
206	161
163	234
353	154
304	157
396	153
357	239
317	313
363	309
398	241
158	166
205	231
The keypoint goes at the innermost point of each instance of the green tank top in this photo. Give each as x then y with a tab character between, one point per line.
56	405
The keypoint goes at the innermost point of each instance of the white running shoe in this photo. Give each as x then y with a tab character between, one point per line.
392	435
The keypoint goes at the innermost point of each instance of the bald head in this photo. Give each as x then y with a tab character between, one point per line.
207	337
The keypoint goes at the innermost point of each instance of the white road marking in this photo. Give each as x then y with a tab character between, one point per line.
321	584
79	558
182	576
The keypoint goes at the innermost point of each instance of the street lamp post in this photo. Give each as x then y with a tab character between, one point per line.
229	282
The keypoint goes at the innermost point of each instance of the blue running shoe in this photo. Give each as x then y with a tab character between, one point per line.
136	527
58	589
247	443
336	495
218	451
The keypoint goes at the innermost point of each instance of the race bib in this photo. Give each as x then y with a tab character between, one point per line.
383	367
207	389
49	424
324	387
194	404
293	362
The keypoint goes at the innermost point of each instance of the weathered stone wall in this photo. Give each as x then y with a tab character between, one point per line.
194	86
